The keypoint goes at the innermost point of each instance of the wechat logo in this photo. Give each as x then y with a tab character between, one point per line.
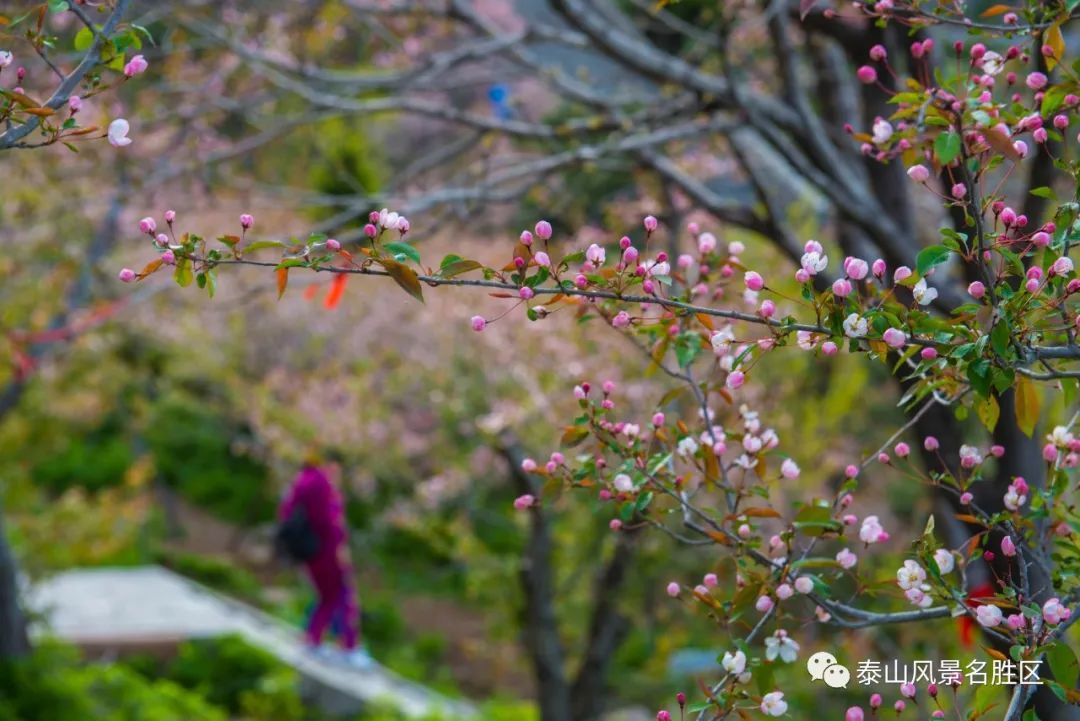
824	667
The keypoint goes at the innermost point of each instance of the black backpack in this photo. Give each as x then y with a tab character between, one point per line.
295	539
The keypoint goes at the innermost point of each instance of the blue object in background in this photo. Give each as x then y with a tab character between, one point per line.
499	95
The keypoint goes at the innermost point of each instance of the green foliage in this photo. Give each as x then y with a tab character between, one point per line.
52	686
217	574
223	669
192	440
93	461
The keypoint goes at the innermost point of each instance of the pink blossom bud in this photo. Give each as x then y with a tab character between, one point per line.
528	465
928	353
650	223
147	225
685	261
373	216
370	230
543	229
875	700
918	173
1015	621
127	275
621	319
168	257
784	592
997	451
1036	81
526	238
754	281
162	240
581	281
1061	121
74	104
846	500
966	498
901	273
170	216
908	690
959	191
802	275
976	290
478	323
711	580
878	53
525	293
851	471
902	449
899	706
841	287
855	713
735	379
866	74
246	221
767	309
1021	148
883	458
525	502
804	585
136	65
673	589
894	338
977	51
1062	266
1008	547
931	444
1032	286
1008	216
663	715
850	519
615	524
829	348
630	256
878	268
764	604
743	531
1049	453
658	419
542	259
1039	135
333	244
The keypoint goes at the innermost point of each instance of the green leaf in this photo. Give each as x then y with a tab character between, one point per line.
84	39
1043	192
988	412
687	348
457	267
399	248
57	6
1063	663
930	257
260	244
947	146
183	275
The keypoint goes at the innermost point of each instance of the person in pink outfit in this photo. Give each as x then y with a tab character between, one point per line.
315	498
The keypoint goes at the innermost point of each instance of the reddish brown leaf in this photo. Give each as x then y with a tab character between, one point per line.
405	277
282	281
337	289
150	268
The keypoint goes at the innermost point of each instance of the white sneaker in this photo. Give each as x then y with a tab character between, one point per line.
320	653
359	658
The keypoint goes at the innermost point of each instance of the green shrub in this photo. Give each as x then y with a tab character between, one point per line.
51	685
217	574
223	669
194	447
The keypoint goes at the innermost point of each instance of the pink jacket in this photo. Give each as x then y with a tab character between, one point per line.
323	507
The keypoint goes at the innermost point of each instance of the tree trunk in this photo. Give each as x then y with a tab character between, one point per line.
14	642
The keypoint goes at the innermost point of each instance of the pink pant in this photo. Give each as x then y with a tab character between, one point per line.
336	596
